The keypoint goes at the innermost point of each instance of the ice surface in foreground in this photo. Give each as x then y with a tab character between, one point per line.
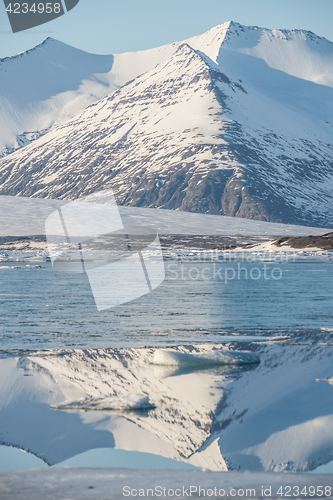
97	484
184	359
124	403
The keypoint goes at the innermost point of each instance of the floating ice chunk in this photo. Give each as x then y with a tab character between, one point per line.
124	403
184	360
328	380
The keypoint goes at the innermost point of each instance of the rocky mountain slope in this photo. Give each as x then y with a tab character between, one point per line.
236	122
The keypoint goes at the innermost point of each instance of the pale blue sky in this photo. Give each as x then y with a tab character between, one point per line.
110	26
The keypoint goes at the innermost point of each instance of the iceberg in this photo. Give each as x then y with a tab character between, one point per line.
186	360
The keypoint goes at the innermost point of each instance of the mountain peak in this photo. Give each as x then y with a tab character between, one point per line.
298	53
210	42
45	42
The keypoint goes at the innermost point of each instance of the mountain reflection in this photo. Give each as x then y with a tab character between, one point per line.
270	416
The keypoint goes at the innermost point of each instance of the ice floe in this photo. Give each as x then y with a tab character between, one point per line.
187	360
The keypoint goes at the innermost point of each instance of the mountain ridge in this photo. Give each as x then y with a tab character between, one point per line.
62	102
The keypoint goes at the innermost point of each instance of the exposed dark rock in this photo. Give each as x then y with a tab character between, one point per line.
325	242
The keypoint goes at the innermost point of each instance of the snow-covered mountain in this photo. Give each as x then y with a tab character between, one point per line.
235	122
53	82
46	85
